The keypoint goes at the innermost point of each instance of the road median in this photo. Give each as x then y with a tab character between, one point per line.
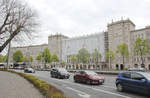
47	90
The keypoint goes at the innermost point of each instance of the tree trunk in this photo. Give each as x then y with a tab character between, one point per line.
123	60
45	65
110	63
142	59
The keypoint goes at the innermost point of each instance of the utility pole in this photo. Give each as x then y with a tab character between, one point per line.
8	57
110	57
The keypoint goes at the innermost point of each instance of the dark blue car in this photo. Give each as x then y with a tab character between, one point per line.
134	81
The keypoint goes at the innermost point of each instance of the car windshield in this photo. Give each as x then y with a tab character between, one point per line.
91	73
146	74
62	70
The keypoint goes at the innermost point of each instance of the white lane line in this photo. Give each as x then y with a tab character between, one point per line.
100	90
80	93
108	92
108	86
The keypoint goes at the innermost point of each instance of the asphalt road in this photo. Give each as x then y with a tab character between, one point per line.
79	90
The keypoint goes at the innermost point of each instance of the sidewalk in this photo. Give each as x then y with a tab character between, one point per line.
14	86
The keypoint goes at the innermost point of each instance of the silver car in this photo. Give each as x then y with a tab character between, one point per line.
29	70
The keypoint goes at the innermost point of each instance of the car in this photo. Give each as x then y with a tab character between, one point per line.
89	77
29	70
60	73
133	81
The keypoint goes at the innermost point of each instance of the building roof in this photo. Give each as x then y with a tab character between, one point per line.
121	21
86	36
58	35
147	27
31	46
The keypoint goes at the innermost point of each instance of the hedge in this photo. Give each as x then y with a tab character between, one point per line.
47	90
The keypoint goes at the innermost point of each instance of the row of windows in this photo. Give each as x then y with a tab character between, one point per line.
139	36
139	59
90	60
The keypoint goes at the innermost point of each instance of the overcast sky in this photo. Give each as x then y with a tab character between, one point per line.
81	17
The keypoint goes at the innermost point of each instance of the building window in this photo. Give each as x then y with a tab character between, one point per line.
135	59
142	36
138	59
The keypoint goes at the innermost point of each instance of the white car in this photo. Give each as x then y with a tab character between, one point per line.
29	70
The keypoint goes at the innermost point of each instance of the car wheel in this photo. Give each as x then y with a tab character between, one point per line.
88	82
119	87
75	80
58	77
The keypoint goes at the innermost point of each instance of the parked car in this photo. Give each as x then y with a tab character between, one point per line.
2	65
89	77
29	70
134	81
60	73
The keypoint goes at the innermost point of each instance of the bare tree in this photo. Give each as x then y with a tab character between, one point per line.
15	18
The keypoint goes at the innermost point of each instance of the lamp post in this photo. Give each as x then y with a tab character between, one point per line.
96	60
8	57
110	61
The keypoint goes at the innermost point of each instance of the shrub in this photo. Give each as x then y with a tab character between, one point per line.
46	89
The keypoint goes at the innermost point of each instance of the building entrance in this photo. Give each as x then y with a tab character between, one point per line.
121	67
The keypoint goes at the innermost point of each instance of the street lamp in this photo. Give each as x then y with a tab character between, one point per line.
110	61
8	57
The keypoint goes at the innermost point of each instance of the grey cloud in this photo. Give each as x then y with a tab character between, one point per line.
78	17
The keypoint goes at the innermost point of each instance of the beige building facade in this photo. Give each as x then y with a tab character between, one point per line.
118	32
143	33
124	31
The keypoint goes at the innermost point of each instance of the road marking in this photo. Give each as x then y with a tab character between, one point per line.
86	95
108	86
108	92
80	93
100	90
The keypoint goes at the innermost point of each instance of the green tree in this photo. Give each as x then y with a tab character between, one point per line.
18	56
1	58
25	59
5	58
83	55
63	63
96	56
74	59
141	48
110	57
46	55
39	58
55	58
123	51
31	59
